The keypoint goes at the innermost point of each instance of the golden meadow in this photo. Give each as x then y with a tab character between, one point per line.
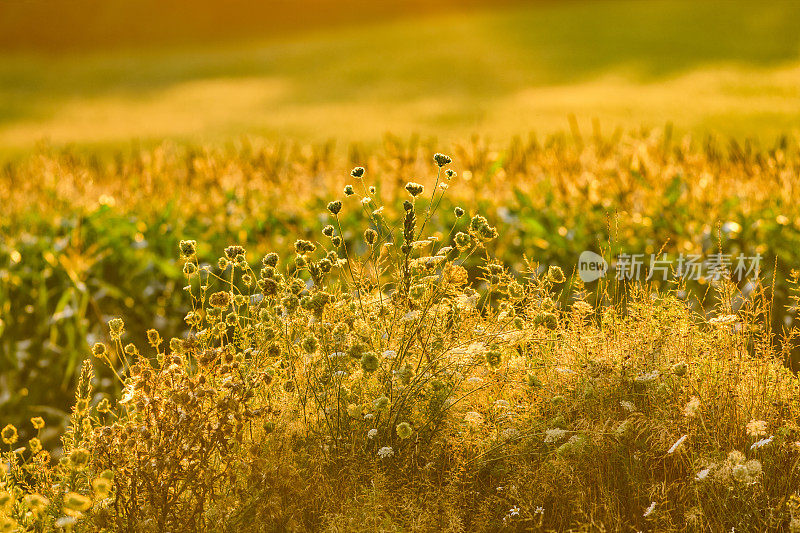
276	337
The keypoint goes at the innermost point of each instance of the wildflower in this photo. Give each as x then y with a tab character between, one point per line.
740	473
702	475
756	428
116	327
9	434
677	444
385	452
6	500
533	381
370	236
35	445
736	457
649	510
458	212
753	468
36	503
366	201
102	487
389	354
554	435
404	430
473	418
357	172
76	502
99	349
79	458
761	443
270	260
414	189
348	190
370	362
372	433
37	422
493	358
334	207
555	274
442	159
153	338
381	403
692	407
328	231
220	299
354	410
450	173
680	369
233	252
627	405
188	249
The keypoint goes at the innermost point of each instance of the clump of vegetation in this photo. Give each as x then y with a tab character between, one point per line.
88	237
371	381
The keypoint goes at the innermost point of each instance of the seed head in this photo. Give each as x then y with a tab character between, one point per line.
37	422
370	236
458	212
77	502
270	260
349	190
555	274
116	327
414	189
357	172
231	252
328	231
9	434
154	338
188	249
463	241
79	458
404	430
334	207
442	160
370	362
99	349
450	173
221	299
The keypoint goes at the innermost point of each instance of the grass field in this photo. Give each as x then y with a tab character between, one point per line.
728	67
242	287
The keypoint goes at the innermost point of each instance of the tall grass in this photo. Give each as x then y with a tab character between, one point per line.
372	383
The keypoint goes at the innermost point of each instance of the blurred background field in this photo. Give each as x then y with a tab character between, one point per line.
103	73
128	126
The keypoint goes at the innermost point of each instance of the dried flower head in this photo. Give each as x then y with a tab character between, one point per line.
414	189
442	160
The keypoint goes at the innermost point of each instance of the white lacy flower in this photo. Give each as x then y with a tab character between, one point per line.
385	452
372	433
649	510
554	435
628	406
